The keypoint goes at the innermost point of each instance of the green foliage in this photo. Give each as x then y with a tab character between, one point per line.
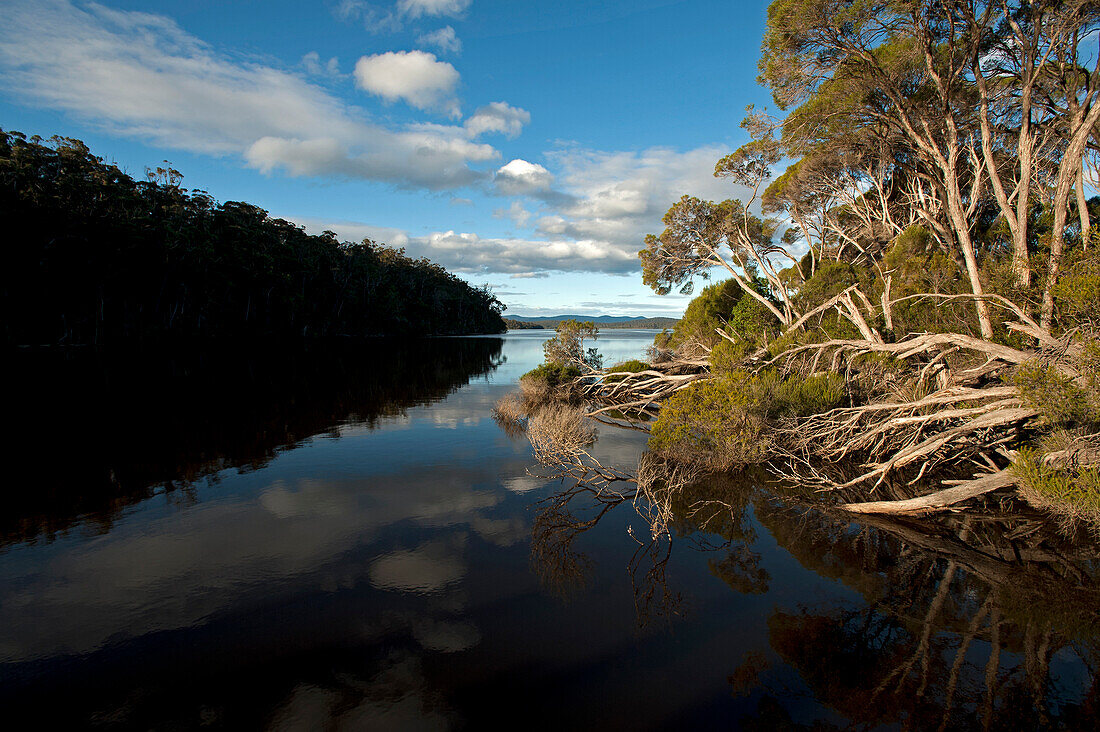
1056	395
753	323
632	366
829	280
918	265
567	347
1077	293
695	233
98	257
707	424
710	309
551	374
1072	492
722	422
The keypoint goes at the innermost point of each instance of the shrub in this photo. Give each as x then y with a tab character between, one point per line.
1056	395
1077	292
567	347
559	434
551	374
1070	493
723	422
632	366
706	424
710	309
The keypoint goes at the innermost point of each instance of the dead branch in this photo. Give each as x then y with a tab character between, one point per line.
940	499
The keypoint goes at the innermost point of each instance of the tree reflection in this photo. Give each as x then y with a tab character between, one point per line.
986	620
96	432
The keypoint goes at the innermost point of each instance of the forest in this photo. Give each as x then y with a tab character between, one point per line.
909	298
95	257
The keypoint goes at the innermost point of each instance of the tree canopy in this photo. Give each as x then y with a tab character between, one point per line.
94	256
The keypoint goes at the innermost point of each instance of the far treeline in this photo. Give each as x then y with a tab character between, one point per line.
632	324
939	340
96	257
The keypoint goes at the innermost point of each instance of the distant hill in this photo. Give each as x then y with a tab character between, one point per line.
611	322
522	325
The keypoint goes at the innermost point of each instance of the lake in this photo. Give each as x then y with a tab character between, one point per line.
341	537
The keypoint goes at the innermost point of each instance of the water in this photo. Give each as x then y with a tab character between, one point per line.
341	537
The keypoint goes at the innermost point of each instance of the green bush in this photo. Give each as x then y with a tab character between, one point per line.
1069	493
1056	395
626	367
632	366
722	422
710	309
707	424
552	374
1077	292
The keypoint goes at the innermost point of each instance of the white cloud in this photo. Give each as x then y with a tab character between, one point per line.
468	252
594	219
140	75
619	197
312	64
431	161
374	19
417	77
444	39
515	213
418	8
521	177
498	117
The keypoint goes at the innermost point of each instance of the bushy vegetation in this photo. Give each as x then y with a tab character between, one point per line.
1058	396
1067	490
566	348
917	294
552	374
725	421
96	257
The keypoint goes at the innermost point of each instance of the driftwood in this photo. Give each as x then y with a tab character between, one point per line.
940	499
959	409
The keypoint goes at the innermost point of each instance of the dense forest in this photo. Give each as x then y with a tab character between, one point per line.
910	317
96	257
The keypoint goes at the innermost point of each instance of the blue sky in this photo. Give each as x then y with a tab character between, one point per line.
528	145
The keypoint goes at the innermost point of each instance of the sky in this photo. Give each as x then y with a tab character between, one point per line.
529	146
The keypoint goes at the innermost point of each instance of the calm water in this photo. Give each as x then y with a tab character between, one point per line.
341	537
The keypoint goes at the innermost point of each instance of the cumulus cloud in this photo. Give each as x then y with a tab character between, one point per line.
444	39
594	215
418	8
413	157
516	213
140	75
520	177
619	197
498	117
312	64
417	77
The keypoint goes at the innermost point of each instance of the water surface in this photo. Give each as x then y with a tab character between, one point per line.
341	537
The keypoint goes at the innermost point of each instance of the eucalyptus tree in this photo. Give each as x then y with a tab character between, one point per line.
982	96
700	235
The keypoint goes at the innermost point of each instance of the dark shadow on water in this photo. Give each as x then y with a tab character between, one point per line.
92	432
982	620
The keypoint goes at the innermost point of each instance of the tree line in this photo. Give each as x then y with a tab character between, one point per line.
97	257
